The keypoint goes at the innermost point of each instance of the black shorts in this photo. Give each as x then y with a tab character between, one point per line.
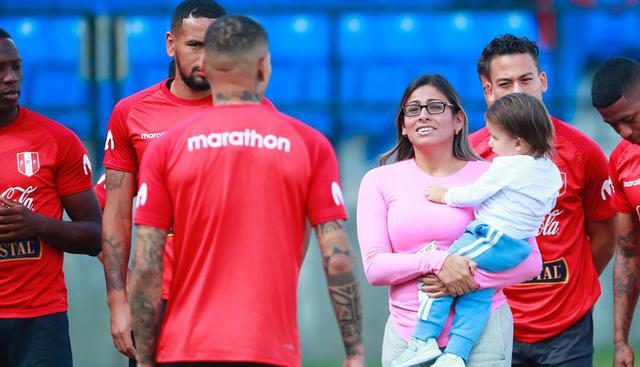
571	348
35	342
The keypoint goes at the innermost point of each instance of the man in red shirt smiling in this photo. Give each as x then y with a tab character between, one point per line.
615	93
552	313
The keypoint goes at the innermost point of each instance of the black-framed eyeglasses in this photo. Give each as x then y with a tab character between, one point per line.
433	108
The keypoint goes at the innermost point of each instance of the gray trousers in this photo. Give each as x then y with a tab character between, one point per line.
493	349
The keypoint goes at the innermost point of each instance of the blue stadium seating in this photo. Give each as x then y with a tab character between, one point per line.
292	82
78	121
318	119
381	54
362	72
146	61
50	38
297	37
54	82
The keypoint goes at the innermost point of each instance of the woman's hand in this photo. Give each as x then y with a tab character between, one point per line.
436	193
457	275
433	286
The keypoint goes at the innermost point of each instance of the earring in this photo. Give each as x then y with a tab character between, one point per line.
457	132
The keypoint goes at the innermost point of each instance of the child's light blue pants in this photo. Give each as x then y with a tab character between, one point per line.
493	251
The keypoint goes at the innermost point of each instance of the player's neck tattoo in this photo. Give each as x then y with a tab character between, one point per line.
245	96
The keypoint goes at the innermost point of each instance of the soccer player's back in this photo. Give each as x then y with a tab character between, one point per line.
237	181
246	221
135	122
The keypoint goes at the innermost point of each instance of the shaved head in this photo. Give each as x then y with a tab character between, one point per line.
237	51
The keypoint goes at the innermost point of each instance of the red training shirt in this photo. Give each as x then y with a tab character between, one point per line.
568	286
624	168
101	191
237	192
41	161
135	122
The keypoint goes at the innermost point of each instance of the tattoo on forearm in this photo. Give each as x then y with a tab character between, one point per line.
338	263
114	179
114	270
626	280
146	292
326	228
345	297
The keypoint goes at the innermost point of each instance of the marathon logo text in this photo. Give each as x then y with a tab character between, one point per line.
20	249
635	182
147	136
246	138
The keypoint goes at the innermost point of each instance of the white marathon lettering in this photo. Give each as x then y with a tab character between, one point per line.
633	183
246	138
147	136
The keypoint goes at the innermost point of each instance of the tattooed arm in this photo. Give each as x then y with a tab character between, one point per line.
339	263
116	248
626	285
146	292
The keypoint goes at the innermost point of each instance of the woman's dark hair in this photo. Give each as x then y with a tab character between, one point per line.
523	116
404	149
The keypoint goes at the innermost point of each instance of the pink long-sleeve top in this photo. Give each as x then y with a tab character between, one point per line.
395	221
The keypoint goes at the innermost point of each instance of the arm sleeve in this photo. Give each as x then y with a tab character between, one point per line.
101	191
619	201
74	167
528	269
119	153
381	265
154	206
493	180
325	201
596	201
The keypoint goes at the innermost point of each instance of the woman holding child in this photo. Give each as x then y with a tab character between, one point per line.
403	236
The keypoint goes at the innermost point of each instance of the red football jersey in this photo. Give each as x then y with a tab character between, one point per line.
568	286
40	161
101	191
624	169
237	192
135	122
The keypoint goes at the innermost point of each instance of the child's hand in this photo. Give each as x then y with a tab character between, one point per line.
436	193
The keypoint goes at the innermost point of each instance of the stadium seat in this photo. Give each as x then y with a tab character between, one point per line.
371	119
60	87
145	60
318	118
297	37
292	82
78	121
43	39
54	83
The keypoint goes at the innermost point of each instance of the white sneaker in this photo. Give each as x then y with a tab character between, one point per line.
417	352
449	360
